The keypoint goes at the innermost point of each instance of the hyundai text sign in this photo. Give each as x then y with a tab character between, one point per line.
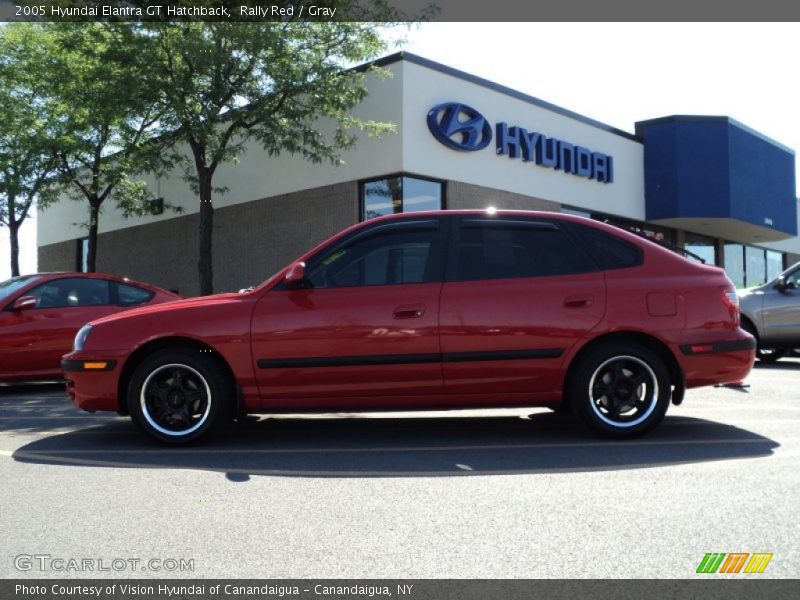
463	128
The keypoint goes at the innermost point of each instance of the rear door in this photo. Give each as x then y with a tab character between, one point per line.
366	326
519	293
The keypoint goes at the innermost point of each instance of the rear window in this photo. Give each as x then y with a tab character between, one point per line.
131	295
503	249
608	250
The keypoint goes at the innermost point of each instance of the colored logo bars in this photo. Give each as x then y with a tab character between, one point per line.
735	562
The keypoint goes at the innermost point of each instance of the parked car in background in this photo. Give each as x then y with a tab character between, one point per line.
40	315
771	313
430	310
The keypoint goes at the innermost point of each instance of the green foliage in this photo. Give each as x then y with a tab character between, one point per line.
225	84
91	116
282	85
107	102
104	115
24	160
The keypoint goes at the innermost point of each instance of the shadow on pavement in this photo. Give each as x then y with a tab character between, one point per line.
779	365
361	446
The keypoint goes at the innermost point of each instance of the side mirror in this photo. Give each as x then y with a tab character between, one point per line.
782	285
296	275
24	303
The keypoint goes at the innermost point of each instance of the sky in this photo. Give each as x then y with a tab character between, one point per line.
615	73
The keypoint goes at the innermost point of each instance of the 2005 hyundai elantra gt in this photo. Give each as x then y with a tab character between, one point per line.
434	310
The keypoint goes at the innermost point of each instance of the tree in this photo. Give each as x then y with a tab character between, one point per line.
225	85
102	116
25	161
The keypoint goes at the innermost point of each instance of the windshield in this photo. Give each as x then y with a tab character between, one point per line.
9	286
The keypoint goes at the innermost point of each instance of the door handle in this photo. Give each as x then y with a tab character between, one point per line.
580	301
409	311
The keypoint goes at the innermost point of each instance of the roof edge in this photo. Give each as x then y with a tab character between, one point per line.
640	125
435	66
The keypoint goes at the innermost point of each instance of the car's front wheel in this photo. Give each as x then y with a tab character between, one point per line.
620	389
178	396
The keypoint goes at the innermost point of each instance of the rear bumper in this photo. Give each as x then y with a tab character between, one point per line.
715	361
719	347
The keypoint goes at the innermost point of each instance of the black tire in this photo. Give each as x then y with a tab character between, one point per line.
620	389
770	355
562	408
177	396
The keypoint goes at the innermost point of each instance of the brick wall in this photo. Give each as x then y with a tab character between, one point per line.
251	241
465	195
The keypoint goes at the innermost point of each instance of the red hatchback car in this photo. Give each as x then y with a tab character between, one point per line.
435	310
40	315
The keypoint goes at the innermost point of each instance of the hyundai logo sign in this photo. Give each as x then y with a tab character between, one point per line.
461	127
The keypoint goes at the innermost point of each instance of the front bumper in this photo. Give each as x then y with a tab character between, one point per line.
92	381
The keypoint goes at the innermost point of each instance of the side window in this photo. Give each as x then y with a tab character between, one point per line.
390	256
608	250
511	249
131	295
792	279
71	292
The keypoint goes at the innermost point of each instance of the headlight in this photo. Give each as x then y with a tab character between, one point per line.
80	337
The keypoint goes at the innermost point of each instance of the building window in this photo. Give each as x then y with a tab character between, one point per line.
701	245
748	266
774	264
400	193
756	266
734	263
82	255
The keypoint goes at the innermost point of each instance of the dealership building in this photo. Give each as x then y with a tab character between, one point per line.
707	184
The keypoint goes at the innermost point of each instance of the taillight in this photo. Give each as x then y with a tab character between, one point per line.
731	299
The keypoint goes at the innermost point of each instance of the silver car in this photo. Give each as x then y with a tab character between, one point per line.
771	313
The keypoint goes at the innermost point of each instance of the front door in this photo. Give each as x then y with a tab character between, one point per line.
364	326
782	311
35	339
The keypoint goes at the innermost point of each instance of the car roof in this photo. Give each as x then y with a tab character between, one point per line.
51	275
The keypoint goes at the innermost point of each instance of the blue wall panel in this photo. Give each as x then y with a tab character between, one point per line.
714	167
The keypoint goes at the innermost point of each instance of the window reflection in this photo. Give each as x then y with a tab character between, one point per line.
400	194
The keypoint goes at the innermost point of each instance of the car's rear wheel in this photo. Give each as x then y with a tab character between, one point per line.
178	396
620	389
763	353
769	355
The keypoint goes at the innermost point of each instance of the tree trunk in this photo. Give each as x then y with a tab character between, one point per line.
13	236
91	259
13	231
205	264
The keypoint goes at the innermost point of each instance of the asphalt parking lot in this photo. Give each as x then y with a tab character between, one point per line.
486	494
